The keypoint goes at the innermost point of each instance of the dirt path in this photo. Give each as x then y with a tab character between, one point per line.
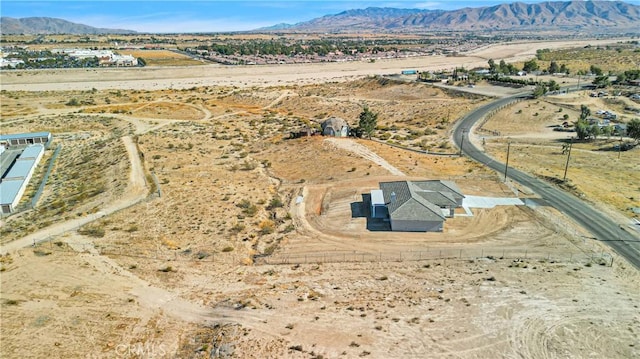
136	191
364	152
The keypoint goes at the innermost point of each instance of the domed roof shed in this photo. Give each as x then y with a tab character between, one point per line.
336	127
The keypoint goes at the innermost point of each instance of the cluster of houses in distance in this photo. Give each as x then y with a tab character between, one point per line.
22	58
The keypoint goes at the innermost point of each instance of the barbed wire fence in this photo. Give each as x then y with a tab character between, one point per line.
207	254
198	254
436	254
488	116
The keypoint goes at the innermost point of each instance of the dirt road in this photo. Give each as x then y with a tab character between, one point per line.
364	152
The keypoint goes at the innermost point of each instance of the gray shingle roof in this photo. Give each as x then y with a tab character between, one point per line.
441	186
408	204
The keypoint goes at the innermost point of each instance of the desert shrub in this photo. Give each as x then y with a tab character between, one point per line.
92	231
275	202
73	102
248	165
270	249
227	249
248	209
237	228
288	228
266	227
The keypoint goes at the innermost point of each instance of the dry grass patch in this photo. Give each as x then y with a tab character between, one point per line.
594	170
163	58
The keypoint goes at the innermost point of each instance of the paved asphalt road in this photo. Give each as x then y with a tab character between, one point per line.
616	235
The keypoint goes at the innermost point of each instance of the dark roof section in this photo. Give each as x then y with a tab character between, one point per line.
404	203
440	191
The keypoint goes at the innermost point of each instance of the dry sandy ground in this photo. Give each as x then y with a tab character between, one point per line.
247	76
174	277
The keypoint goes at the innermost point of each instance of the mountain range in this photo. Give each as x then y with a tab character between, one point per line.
515	16
48	25
555	15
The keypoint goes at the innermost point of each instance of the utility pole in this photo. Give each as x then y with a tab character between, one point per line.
506	166
566	167
462	141
620	146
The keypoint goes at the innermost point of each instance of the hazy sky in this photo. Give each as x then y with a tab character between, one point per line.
207	15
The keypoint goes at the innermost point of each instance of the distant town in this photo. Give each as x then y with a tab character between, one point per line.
23	58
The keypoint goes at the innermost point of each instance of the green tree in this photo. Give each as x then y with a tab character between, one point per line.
540	90
492	66
530	66
584	112
553	86
582	129
594	131
607	131
503	67
633	129
564	69
553	68
595	70
368	121
601	81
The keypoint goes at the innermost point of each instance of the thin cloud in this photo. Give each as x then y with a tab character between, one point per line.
430	5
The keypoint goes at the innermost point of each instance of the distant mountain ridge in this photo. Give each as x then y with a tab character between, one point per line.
514	16
49	25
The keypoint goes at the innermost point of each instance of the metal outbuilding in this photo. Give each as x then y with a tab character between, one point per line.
17	139
15	182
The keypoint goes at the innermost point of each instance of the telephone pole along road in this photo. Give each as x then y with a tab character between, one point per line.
600	225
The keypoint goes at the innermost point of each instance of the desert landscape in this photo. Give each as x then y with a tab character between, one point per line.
182	221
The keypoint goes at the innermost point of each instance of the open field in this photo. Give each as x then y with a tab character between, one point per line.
162	57
182	273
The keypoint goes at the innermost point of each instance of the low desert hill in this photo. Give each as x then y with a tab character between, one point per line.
49	25
583	15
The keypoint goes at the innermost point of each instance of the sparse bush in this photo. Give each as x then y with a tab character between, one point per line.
248	209
289	228
275	202
248	165
73	102
92	231
270	249
227	249
11	302
237	228
266	227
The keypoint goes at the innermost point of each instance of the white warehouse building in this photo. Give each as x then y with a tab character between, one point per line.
15	182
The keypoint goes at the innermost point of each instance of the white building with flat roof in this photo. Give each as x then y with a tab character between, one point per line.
14	183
